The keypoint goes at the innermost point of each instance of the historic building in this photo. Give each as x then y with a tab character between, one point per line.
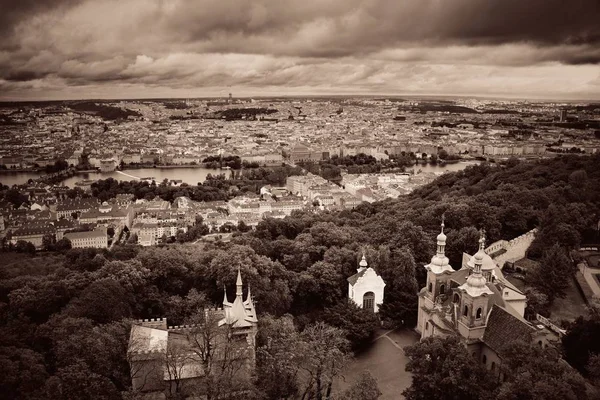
365	287
477	303
173	360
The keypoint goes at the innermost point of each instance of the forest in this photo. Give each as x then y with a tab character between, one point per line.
65	317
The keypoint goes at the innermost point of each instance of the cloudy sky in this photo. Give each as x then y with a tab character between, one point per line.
71	49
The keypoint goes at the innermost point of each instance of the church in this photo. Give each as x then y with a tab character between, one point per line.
477	303
365	288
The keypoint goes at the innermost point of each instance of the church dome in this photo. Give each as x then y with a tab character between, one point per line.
441	237
487	264
439	260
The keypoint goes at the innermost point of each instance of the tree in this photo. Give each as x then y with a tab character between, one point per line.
554	273
324	354
48	241
222	356
25	247
23	373
443	369
278	357
364	389
63	245
400	301
103	301
443	154
580	343
531	372
358	324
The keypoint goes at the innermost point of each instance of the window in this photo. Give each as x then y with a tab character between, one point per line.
426	326
478	314
442	289
540	344
484	359
369	301
430	288
493	366
456	297
466	311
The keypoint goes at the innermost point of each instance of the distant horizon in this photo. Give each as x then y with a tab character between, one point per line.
316	96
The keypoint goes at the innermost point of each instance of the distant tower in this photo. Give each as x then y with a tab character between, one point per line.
230	100
365	287
563	115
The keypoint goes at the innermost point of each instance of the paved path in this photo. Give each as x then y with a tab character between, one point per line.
588	274
385	360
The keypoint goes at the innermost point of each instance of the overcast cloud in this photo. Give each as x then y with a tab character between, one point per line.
159	48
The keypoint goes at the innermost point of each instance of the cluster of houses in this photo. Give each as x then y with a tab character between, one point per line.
87	222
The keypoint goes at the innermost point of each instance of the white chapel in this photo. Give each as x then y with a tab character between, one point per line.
365	287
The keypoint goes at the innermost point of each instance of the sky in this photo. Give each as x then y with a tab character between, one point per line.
76	49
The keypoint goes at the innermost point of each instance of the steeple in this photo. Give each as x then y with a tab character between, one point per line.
225	300
238	284
439	262
476	284
441	241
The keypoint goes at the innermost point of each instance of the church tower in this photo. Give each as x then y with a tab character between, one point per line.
439	273
474	299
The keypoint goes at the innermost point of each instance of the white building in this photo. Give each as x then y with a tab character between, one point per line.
365	287
96	238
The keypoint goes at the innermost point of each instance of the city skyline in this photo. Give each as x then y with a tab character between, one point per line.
67	49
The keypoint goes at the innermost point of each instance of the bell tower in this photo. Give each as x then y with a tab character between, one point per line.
439	273
474	300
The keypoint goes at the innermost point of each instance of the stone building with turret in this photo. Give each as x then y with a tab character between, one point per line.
175	360
477	303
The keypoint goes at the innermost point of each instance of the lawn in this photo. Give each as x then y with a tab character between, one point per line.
593	260
570	307
386	361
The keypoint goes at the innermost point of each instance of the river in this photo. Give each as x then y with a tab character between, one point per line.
189	175
459	166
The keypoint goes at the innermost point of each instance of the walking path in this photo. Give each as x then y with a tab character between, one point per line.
386	361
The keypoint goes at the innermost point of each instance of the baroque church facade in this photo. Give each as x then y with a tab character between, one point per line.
477	303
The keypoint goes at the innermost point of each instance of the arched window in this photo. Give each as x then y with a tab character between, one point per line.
540	343
430	287
484	359
456	298
369	301
426	326
442	289
493	366
466	311
478	314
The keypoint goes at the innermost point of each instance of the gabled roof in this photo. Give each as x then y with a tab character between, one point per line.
503	328
352	279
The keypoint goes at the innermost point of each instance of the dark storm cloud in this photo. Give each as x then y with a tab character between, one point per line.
15	11
352	43
362	26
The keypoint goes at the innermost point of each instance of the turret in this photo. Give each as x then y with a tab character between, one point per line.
474	298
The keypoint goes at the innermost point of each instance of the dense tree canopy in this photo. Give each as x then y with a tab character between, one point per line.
297	266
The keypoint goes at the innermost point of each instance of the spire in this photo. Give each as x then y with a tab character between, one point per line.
225	300
238	284
441	240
